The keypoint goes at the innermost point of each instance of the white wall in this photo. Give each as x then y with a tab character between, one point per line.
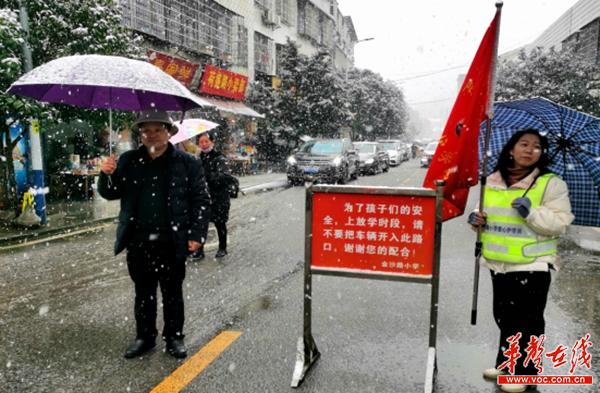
279	34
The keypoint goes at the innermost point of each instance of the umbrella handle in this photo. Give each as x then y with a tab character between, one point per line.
478	246
110	133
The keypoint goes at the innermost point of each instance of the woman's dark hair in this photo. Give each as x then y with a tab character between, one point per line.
505	161
209	134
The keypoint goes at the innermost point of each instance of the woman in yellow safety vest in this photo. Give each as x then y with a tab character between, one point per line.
526	208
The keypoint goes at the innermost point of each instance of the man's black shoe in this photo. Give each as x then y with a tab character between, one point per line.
197	256
176	348
139	347
220	253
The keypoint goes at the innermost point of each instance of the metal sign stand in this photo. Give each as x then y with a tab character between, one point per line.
307	352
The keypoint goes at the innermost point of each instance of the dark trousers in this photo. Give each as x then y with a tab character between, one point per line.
222	234
519	303
150	264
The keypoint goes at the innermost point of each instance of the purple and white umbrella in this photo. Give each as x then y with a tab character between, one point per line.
106	82
189	128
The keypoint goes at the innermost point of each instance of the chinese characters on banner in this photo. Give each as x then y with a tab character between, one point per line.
391	234
179	69
219	82
577	356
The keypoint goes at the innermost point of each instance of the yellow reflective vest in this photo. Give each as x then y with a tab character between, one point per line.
506	236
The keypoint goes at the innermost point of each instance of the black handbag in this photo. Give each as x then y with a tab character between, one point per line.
233	186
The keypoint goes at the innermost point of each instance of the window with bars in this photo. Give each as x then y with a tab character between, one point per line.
144	16
174	23
314	24
199	25
284	10
264	4
327	31
241	48
263	53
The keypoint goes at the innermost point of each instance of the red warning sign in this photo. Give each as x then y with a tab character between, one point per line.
366	233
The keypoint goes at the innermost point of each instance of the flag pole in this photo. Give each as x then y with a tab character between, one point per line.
484	172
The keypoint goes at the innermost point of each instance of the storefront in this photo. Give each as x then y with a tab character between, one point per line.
225	90
73	153
238	135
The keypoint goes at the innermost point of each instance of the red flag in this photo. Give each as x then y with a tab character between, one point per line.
456	157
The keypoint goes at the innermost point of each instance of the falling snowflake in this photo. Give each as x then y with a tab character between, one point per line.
44	310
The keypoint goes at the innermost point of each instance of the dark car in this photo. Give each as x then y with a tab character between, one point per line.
373	157
385	156
323	160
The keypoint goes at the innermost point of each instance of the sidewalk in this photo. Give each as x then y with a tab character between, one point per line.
585	237
75	216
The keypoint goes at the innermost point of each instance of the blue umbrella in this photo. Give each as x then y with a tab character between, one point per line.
574	152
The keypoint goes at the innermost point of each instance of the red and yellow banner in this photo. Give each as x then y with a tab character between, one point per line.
181	70
456	158
220	82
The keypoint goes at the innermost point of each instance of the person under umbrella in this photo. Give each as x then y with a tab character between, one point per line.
526	208
574	151
164	217
218	178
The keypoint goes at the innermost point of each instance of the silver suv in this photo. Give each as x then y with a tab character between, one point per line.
372	157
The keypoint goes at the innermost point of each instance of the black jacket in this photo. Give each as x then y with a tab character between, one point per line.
188	201
216	171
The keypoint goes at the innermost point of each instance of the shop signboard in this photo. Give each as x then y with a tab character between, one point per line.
179	69
219	82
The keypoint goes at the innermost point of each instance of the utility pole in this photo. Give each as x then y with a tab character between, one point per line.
35	146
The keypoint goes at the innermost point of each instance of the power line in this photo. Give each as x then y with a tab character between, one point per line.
430	102
400	80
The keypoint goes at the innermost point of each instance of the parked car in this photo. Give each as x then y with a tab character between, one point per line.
323	160
394	149
428	154
372	157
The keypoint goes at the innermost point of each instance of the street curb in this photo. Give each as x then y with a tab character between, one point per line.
14	241
255	189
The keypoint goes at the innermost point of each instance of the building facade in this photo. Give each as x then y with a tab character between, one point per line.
578	27
241	35
216	47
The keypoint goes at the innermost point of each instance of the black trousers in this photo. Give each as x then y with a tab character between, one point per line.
221	227
519	303
151	264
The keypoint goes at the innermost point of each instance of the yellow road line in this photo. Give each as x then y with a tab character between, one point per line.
196	364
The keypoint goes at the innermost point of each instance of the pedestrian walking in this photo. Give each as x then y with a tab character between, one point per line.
526	208
164	217
218	178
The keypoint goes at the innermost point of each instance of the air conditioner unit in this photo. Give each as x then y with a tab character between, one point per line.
206	49
268	17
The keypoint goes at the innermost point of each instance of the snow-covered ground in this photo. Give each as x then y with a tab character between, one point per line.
585	237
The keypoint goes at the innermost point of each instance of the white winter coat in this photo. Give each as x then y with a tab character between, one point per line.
550	219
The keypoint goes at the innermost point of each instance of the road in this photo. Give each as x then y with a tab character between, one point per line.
66	313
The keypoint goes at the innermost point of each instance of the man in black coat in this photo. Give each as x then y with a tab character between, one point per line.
165	208
218	178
